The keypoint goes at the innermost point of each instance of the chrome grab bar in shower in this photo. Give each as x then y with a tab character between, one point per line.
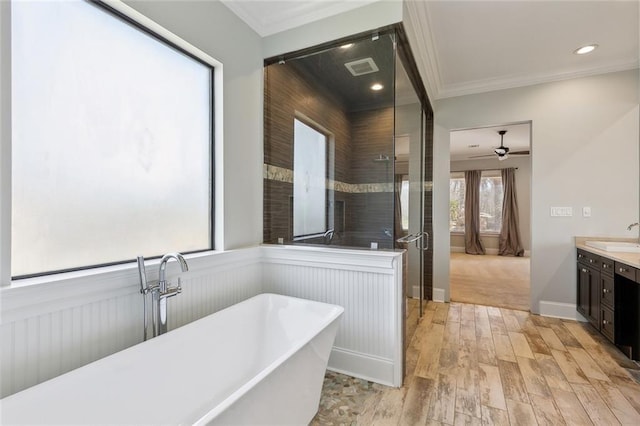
417	237
410	238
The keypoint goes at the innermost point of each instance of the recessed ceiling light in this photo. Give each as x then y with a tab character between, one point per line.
377	86
346	46
585	49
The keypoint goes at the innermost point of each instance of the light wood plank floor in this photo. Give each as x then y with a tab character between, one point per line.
490	280
473	364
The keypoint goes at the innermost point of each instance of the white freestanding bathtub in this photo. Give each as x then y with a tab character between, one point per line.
261	361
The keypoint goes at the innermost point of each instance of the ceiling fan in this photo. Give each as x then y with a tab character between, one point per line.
502	151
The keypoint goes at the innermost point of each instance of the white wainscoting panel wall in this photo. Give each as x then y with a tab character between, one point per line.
54	324
368	284
49	328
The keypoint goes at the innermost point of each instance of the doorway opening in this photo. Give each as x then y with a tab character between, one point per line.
490	215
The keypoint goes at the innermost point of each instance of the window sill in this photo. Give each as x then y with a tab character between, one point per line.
482	234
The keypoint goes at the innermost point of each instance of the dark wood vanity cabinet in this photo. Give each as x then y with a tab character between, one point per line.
607	299
627	301
588	291
608	296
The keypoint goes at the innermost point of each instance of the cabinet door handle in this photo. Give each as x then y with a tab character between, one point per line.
605	266
584	270
590	260
623	269
605	322
580	256
605	291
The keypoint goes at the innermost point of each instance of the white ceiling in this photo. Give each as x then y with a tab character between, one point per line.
480	46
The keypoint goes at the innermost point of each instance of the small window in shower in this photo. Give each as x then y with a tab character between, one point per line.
404	202
309	181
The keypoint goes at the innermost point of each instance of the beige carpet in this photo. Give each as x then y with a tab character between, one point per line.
501	281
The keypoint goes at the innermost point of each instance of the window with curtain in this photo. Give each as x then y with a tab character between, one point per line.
112	140
491	195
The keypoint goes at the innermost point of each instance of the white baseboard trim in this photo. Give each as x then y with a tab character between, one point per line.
560	310
438	295
415	292
362	366
492	251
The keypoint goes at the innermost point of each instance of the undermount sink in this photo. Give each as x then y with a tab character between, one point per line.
615	246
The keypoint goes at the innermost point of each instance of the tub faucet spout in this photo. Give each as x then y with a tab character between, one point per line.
164	291
163	266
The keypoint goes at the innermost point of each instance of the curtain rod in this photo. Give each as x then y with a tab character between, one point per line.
485	170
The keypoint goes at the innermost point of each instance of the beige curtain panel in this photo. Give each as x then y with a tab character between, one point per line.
472	243
510	243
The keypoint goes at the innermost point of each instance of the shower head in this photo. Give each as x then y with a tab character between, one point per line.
381	159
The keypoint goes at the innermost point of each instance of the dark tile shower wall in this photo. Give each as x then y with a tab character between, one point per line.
358	138
372	137
288	93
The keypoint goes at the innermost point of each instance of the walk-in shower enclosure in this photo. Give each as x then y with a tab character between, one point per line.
329	146
331	120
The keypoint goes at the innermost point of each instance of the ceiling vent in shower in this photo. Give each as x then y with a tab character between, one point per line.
361	67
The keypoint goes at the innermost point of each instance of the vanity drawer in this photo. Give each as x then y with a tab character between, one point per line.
606	266
587	258
607	285
607	323
625	270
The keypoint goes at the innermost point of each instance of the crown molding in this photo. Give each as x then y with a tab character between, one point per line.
298	13
502	83
419	32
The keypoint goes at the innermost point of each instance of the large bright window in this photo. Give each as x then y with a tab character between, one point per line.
112	141
491	195
309	181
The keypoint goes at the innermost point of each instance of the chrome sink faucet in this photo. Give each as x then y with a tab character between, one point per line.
631	227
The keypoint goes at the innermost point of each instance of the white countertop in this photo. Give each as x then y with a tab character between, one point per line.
631	259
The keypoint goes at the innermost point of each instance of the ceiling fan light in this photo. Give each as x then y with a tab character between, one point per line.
500	151
503	157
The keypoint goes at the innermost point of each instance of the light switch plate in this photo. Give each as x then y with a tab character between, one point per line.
586	212
561	211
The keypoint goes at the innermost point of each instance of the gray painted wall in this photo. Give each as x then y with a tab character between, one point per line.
584	153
